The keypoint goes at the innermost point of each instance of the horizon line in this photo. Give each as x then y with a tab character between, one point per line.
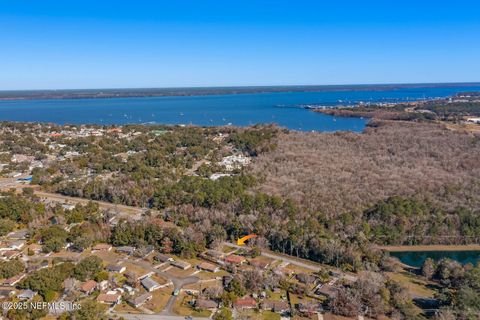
252	86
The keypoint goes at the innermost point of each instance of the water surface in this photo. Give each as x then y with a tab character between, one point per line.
416	258
281	108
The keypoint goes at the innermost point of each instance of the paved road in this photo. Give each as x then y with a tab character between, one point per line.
277	256
178	283
121	210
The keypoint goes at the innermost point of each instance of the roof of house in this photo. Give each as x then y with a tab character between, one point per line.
233	258
140	299
108	298
181	264
149	283
207	266
214	253
205	304
6	292
126	249
248	302
20	234
88	286
26	294
162	257
115	268
275	305
327	291
8	254
310	307
102	246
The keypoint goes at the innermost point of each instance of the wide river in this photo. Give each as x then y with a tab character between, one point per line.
212	110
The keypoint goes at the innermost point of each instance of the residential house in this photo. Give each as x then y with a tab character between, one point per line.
181	264
19	235
208	267
305	278
282	271
276	306
69	284
235	259
88	287
245	303
205	304
327	291
7	292
102	247
310	308
140	300
226	280
126	249
162	258
144	251
103	285
26	294
149	284
11	254
13	245
110	299
116	268
214	254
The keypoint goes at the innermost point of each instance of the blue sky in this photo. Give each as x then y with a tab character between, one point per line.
113	43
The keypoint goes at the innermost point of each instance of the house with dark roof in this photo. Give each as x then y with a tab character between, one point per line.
7	292
140	300
181	264
310	308
116	268
327	291
275	306
162	258
214	254
126	249
149	284
208	267
205	304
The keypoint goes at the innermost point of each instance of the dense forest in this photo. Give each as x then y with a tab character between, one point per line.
328	197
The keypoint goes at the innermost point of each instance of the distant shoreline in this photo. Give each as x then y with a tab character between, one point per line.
9	95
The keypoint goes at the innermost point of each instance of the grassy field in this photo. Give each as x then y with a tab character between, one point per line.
416	287
182	307
134	268
159	300
125	308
